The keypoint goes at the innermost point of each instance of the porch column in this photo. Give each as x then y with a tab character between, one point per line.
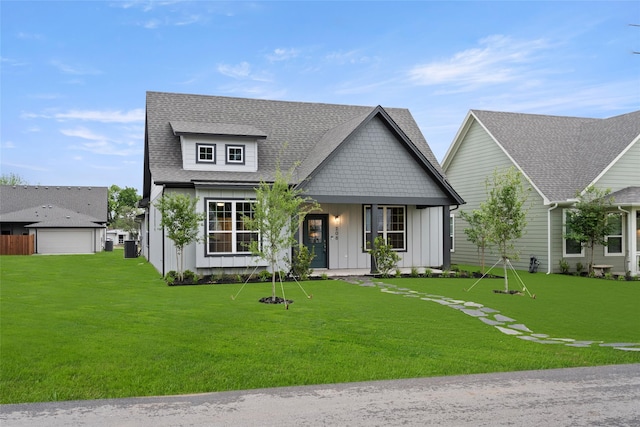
446	241
374	234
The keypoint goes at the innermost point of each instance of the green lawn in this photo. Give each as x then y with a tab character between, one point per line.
102	326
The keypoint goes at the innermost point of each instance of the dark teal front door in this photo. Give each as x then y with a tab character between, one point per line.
315	239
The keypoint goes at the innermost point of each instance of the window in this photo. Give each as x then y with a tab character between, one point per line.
121	239
570	247
206	153
235	154
614	239
391	225
451	231
226	227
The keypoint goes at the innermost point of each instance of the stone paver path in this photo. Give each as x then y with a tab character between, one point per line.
487	315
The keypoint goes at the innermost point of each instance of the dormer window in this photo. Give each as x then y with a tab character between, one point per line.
235	154
206	153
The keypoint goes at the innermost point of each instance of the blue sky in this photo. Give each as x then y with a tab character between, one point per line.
74	74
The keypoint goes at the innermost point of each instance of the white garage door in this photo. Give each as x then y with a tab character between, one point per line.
64	241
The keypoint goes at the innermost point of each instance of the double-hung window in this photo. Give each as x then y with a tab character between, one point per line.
227	228
570	247
206	153
391	225
614	238
235	154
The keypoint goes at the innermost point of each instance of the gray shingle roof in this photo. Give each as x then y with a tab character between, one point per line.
311	131
180	128
629	195
30	204
561	155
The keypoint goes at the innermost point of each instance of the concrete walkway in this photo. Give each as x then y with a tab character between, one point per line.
598	396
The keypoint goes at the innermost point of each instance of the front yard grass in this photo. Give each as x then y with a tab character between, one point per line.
102	326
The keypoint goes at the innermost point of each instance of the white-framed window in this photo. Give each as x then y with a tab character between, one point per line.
615	240
206	153
235	154
452	232
227	230
391	225
570	247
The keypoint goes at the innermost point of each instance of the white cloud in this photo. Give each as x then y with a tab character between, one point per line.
99	144
349	57
499	59
8	144
77	70
283	54
108	116
242	71
28	167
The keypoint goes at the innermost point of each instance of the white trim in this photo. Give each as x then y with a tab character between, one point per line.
621	236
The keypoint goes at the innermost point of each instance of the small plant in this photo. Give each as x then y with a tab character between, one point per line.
564	266
239	278
385	257
301	262
621	278
579	268
608	276
189	276
414	272
428	272
398	272
446	273
264	276
171	277
324	276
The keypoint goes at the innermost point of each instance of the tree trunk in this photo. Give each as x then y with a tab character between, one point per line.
273	282
506	279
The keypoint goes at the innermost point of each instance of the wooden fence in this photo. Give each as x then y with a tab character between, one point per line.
17	245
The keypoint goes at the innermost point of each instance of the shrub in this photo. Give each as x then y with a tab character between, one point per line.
608	276
301	262
324	276
414	272
564	266
171	277
579	268
428	272
264	276
189	276
385	257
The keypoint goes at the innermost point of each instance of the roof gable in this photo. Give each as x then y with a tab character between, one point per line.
559	155
373	164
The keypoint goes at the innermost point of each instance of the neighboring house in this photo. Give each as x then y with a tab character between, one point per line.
558	156
63	220
351	159
118	236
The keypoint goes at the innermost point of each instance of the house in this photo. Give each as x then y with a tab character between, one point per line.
558	156
118	236
363	165
63	220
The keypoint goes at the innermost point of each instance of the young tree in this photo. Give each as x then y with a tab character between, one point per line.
506	214
588	222
278	212
181	222
12	179
119	199
478	230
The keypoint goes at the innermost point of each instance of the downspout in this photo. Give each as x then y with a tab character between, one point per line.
164	257
627	248
549	237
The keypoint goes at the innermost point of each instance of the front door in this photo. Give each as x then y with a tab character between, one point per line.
315	239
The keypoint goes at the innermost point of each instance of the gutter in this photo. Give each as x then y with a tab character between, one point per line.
555	205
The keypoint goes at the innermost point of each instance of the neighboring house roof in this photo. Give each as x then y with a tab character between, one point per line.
291	132
49	206
560	155
629	196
